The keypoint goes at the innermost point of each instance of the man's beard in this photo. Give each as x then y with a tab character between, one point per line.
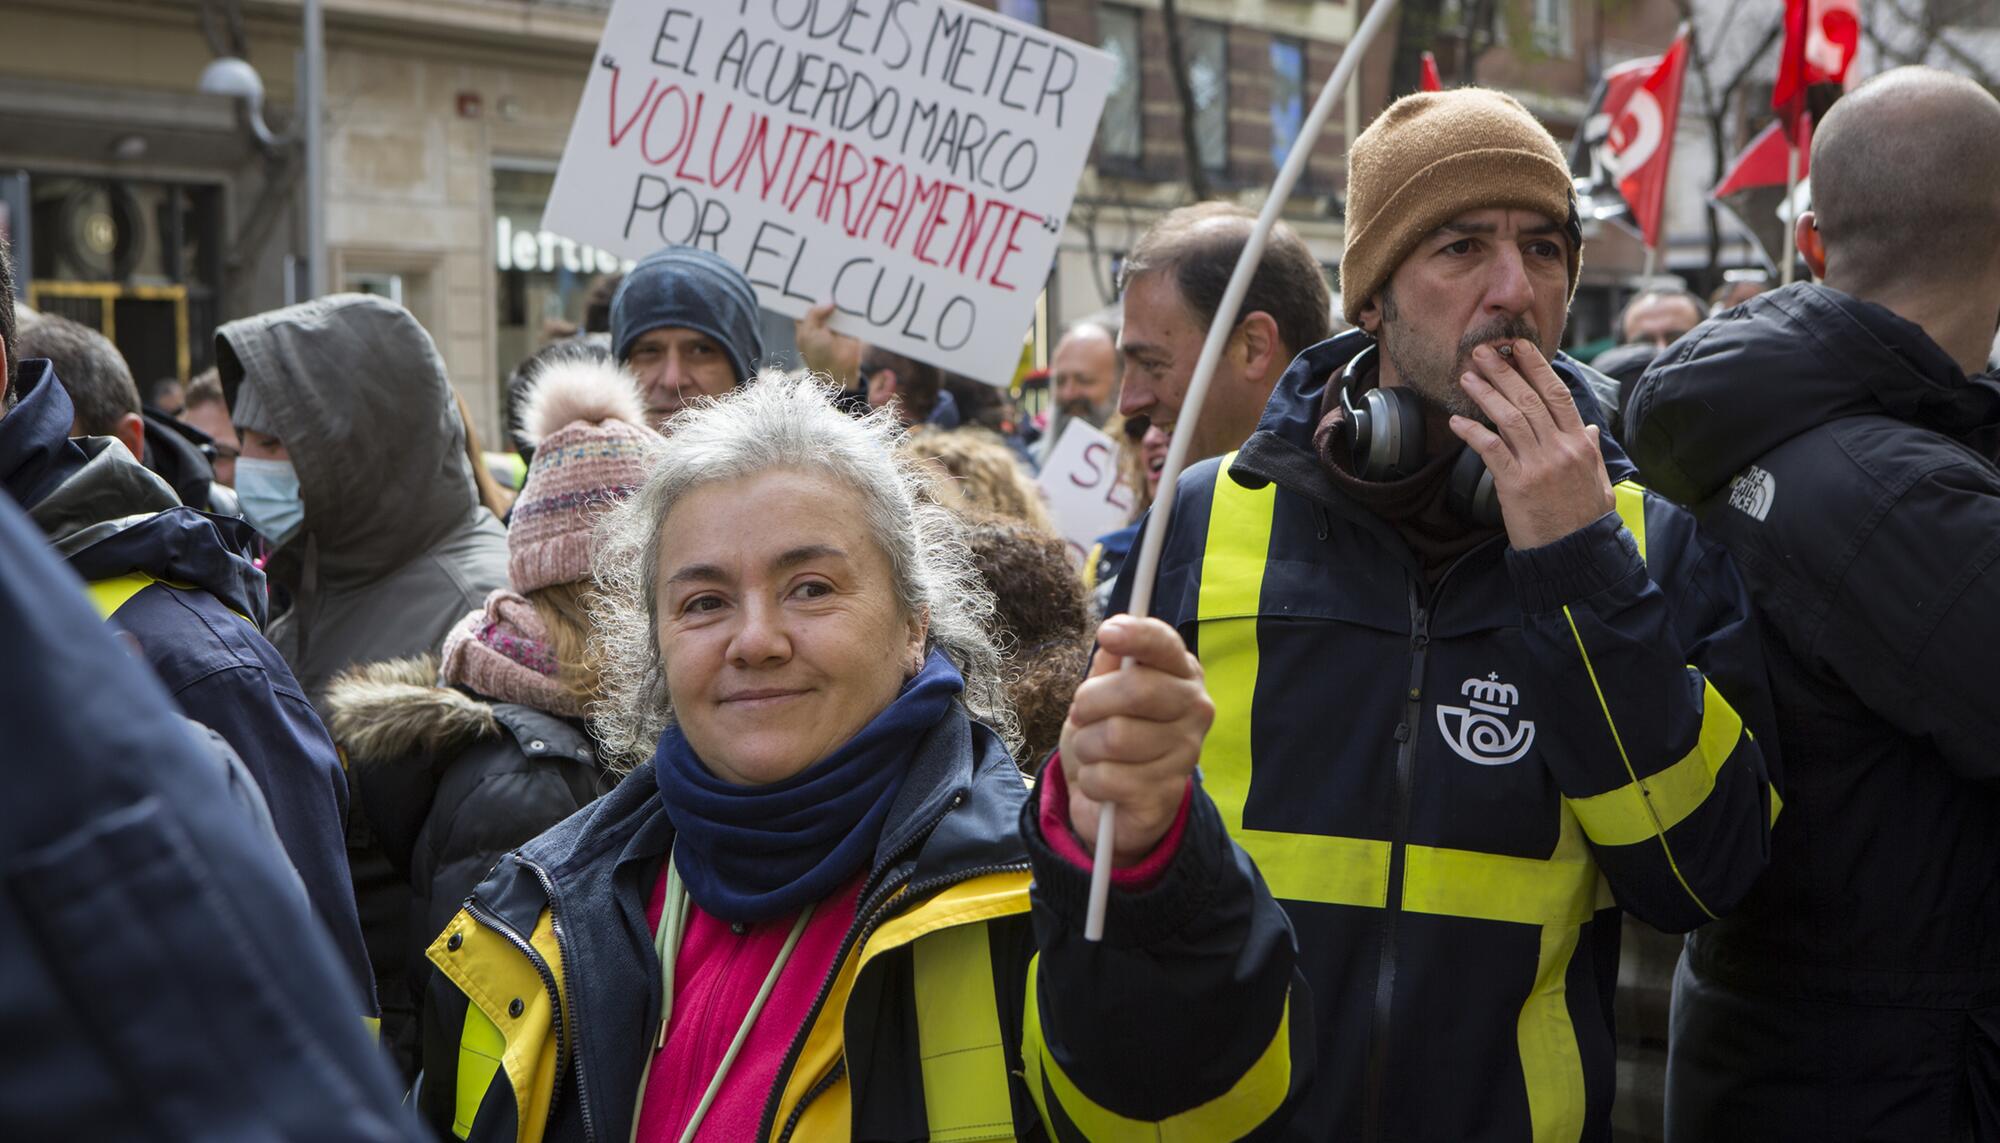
1430	373
1084	409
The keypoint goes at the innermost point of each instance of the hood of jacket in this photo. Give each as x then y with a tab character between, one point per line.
356	390
109	515
1281	449
1785	362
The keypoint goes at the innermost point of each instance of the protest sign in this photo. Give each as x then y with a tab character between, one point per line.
911	161
1080	482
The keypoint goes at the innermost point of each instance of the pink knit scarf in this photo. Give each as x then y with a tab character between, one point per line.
502	651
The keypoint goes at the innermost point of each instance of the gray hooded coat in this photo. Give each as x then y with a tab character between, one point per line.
396	546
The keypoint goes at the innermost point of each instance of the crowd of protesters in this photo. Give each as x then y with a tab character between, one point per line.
723	756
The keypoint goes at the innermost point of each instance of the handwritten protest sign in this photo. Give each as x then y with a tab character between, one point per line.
910	160
1080	482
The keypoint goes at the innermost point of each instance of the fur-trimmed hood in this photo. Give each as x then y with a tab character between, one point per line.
380	712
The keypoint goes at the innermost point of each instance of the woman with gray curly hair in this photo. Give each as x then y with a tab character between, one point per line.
806	913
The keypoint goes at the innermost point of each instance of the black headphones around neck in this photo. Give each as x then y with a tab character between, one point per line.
1385	438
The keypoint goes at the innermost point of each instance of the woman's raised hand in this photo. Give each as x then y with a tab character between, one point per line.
1133	736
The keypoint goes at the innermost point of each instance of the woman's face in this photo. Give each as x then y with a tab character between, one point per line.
779	625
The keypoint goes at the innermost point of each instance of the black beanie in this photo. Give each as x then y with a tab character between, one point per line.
689	288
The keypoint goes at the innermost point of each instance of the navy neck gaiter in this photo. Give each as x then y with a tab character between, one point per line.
755	853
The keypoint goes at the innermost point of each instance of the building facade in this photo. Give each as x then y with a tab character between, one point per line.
151	210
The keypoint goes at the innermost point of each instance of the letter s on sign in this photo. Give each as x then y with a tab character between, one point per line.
1093	455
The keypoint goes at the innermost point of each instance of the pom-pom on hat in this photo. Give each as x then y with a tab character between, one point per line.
1429	158
592	449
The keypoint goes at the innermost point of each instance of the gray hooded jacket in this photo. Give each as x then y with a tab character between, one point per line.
396	546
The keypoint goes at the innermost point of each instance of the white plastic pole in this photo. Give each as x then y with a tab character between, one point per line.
1204	370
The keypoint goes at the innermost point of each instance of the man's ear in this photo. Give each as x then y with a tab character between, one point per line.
1370	316
131	432
1806	232
1259	334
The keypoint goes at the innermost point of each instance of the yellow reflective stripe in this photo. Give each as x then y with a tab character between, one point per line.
1239	543
479	1048
1297	866
1627	758
1639	810
958	1035
1632	510
1250	1102
1495	887
1315	867
1551	1062
1090	567
1232	581
984	898
108	595
373	1026
1777	804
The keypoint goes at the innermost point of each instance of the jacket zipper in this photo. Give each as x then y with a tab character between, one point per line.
1407	733
513	936
576	1054
1406	766
885	912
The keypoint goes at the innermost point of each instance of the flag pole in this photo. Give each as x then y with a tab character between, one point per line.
1791	198
1204	370
1646	275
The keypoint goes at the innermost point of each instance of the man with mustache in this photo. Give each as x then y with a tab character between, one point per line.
1474	690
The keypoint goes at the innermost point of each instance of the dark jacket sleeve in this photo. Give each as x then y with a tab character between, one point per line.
1658	690
1188	1019
286	748
1913	630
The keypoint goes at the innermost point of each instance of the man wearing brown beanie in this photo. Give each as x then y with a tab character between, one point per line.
1474	690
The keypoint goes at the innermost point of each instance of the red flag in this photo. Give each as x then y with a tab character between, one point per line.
1821	38
1431	82
1642	139
1764	163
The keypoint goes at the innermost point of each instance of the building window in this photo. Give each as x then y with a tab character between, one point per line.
1288	96
1552	28
1027	11
1208	77
1120	132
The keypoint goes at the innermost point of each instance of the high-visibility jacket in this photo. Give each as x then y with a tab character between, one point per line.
1450	787
948	1013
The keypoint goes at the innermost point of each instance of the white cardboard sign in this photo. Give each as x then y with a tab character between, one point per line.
911	161
1080	482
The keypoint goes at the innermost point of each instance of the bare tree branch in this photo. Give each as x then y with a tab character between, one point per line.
1197	171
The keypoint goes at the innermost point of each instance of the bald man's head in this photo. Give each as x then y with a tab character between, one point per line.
1906	180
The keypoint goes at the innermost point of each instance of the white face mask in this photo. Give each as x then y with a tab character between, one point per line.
269	493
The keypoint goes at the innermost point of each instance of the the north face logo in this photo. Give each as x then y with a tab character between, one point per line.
1478	731
1753	492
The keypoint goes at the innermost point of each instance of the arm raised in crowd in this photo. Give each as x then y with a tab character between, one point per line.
1189	1017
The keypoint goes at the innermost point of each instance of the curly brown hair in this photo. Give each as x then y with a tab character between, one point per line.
1042	620
984	468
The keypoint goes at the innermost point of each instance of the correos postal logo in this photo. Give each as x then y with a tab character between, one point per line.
1479	731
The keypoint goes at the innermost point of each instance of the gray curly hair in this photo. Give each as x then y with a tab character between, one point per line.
783	421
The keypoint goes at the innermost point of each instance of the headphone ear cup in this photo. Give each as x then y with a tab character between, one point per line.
1470	492
1386	434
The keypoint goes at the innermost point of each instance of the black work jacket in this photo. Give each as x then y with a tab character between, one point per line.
1450	786
1848	464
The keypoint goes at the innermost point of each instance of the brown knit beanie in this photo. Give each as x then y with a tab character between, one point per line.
1429	158
592	449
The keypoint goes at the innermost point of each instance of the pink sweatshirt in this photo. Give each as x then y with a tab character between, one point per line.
718	972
